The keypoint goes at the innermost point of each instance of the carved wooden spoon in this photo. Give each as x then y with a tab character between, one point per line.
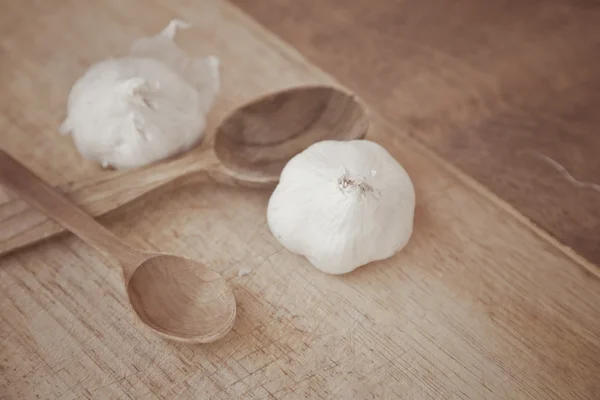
252	145
178	298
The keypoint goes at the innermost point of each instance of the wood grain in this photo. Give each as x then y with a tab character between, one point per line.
478	306
482	83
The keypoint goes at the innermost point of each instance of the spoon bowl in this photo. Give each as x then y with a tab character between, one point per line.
181	299
256	141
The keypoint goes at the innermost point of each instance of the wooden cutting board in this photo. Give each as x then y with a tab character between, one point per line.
481	304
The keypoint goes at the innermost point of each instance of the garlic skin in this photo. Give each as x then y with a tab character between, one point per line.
130	111
342	204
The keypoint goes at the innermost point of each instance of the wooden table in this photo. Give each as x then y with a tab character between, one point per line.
494	87
482	304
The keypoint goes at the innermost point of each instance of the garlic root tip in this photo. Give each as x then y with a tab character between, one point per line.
346	183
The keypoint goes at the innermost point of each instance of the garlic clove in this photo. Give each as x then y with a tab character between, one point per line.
113	110
130	111
200	72
329	207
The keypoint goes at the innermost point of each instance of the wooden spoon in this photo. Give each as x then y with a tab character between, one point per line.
252	145
178	298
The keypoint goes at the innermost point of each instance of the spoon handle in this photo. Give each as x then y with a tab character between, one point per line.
42	196
22	225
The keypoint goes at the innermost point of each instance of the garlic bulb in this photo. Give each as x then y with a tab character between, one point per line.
151	104
342	204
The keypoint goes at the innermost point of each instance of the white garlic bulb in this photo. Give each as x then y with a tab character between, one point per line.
343	204
151	104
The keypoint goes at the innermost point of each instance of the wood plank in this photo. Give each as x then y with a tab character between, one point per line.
481	83
478	306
